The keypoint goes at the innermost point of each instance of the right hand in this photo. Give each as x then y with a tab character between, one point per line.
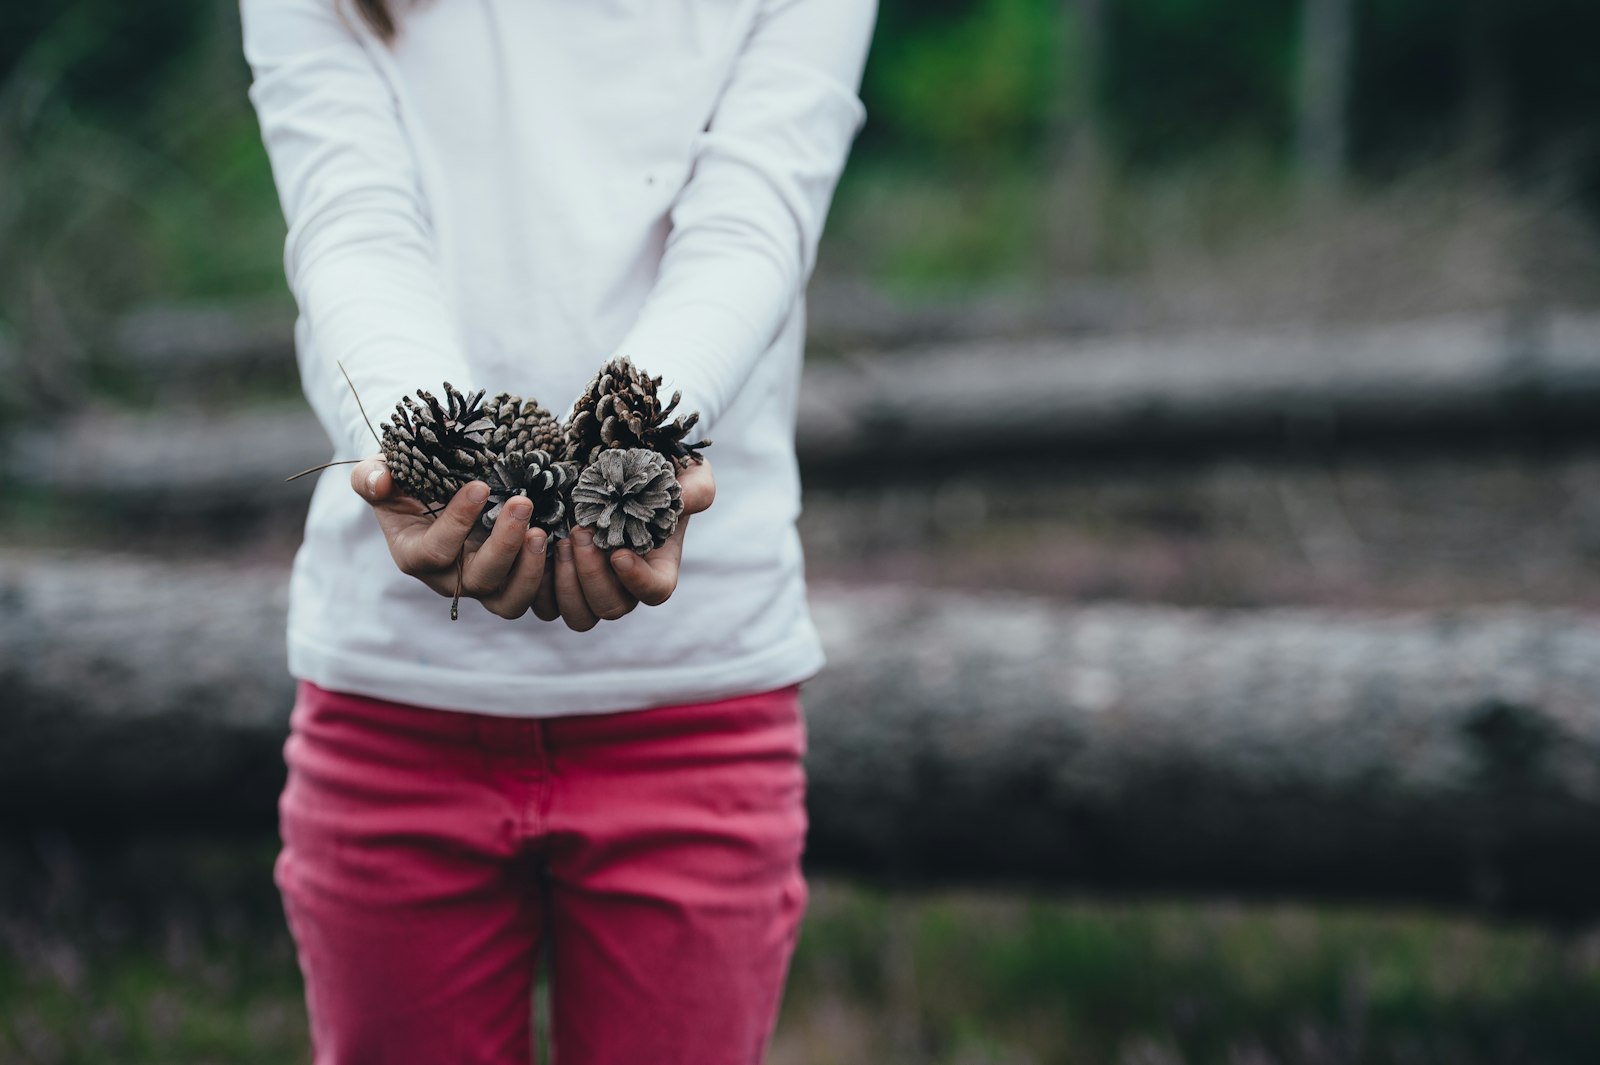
590	587
504	571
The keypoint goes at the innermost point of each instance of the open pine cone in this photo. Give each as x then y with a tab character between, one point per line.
621	408
432	449
630	497
534	474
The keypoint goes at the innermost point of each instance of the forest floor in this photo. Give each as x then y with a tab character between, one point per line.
173	953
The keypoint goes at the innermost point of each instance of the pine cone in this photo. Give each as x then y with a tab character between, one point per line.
432	449
621	408
537	476
523	425
631	498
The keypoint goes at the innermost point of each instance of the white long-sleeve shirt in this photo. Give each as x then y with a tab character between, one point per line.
509	194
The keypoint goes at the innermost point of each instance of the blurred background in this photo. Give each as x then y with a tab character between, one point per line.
1203	411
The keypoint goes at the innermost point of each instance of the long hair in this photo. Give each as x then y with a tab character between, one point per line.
376	14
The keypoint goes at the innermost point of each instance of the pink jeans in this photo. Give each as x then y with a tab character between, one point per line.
428	854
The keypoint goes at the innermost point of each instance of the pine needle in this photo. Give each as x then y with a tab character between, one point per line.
324	466
359	405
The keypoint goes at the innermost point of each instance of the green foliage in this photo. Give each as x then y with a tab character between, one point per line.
101	55
975	88
921	230
1422	67
1184	76
130	170
135	181
973	81
925	232
1005	979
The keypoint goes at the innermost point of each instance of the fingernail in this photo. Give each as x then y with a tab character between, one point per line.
477	492
537	541
622	560
519	510
582	537
372	482
564	549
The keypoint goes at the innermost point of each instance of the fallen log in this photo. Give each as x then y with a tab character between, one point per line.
177	463
180	345
1295	387
174	344
915	413
1449	759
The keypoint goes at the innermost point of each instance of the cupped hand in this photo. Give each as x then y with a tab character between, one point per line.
586	586
505	571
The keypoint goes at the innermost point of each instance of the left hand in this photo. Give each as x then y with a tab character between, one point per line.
445	549
586	586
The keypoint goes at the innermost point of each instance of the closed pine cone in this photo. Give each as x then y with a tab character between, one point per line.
621	408
630	497
523	425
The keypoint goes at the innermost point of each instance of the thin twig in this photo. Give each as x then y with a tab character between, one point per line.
359	405
325	465
455	603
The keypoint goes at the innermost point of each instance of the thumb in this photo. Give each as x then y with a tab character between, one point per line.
451	526
699	487
371	480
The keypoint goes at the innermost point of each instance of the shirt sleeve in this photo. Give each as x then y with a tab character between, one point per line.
744	230
361	256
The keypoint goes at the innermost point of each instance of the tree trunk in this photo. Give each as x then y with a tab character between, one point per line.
1450	759
1078	145
1322	127
1486	92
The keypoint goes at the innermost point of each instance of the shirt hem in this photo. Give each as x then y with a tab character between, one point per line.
796	659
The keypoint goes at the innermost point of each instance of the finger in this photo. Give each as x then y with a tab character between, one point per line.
569	596
653	578
544	603
436	545
523	583
489	565
607	598
443	582
371	480
699	487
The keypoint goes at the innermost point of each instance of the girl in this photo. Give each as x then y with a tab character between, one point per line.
603	760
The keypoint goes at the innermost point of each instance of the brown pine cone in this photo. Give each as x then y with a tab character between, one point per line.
537	476
621	408
432	449
524	425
